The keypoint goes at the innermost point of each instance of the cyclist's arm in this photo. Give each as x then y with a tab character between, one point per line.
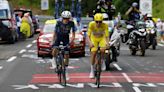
89	34
106	34
54	33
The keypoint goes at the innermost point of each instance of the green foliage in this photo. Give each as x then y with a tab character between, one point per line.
87	6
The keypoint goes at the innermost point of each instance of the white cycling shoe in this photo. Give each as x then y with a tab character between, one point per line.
91	75
67	76
103	66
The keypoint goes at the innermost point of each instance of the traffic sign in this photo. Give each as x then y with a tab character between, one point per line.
44	4
146	6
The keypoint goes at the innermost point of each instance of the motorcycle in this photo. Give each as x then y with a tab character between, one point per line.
113	52
124	35
152	37
130	27
137	39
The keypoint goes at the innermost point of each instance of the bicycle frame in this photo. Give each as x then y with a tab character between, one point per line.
98	67
61	68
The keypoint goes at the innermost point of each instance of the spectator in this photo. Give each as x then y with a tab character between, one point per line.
159	29
162	32
18	22
25	26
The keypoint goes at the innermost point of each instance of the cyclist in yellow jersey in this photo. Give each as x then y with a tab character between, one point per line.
98	35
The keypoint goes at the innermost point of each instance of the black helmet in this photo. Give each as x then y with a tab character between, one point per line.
108	0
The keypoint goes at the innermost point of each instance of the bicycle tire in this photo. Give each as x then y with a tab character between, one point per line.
63	75
98	70
59	68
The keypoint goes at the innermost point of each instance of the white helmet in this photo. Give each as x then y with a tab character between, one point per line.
158	20
135	4
149	15
66	14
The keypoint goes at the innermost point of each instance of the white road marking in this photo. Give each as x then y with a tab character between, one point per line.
78	77
28	46
74	59
34	41
126	77
1	67
159	44
25	86
11	58
119	68
22	51
32	51
136	89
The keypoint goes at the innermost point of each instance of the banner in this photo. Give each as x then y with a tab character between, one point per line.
146	6
44	4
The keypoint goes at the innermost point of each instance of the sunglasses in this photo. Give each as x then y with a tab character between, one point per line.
66	18
99	22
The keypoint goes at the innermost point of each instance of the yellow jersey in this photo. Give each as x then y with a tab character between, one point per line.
95	32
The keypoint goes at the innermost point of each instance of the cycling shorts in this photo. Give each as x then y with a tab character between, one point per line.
101	42
65	43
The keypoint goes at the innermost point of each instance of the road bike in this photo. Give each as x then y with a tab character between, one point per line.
61	67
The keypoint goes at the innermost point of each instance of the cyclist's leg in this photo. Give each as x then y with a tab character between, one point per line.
66	57
66	53
93	56
102	45
54	52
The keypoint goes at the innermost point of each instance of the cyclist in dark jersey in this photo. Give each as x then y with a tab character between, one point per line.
61	34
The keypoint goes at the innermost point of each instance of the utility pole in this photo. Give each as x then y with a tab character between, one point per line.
78	8
72	8
62	5
56	13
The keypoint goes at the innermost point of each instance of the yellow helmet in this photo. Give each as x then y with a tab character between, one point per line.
98	17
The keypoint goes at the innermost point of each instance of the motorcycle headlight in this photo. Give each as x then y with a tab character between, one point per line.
142	30
152	31
129	27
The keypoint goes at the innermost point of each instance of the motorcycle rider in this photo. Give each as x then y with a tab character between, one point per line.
150	25
149	22
61	34
105	6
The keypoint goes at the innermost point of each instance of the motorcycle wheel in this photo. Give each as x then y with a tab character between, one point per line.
133	52
107	61
123	38
143	47
154	43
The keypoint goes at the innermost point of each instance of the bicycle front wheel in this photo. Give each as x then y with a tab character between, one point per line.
98	74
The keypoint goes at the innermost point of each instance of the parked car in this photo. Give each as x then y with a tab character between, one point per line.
45	37
8	25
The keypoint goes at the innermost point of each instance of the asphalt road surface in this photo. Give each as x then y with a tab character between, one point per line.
22	71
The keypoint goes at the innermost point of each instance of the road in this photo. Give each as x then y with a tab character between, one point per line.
22	71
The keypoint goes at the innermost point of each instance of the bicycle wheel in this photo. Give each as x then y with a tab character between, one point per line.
59	68
98	71
63	75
